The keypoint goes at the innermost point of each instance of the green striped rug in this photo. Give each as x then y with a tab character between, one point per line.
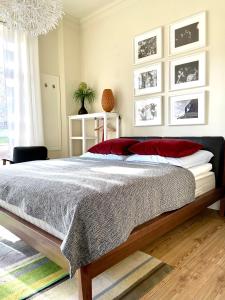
23	271
28	278
26	274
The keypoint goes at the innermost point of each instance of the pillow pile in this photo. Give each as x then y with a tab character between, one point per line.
183	153
201	157
178	152
114	146
166	147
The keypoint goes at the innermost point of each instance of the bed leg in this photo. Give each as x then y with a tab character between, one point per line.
84	285
222	207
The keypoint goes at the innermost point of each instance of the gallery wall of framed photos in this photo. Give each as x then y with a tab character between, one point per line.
184	67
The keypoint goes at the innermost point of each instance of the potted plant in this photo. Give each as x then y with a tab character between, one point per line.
82	94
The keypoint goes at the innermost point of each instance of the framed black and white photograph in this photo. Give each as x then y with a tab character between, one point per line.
148	80
188	34
148	46
148	112
187	109
188	72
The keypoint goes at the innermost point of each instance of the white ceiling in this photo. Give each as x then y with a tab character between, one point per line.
83	8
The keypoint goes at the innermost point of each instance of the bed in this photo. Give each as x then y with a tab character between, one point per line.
48	242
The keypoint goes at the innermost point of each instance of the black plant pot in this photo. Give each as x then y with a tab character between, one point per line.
82	110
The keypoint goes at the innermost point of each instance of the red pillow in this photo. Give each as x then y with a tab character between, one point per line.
114	146
166	147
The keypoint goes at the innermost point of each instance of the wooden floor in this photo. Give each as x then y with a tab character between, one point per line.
196	250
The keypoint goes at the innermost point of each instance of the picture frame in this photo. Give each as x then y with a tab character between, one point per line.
148	111
187	109
188	72
148	80
148	46
188	34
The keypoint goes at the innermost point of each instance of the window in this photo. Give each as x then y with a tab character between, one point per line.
20	102
6	94
3	114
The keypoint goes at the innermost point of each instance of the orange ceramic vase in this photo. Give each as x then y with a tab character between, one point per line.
108	101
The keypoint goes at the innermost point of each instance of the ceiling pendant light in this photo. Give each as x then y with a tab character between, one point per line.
34	17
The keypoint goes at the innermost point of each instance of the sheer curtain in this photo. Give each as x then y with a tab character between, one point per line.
20	88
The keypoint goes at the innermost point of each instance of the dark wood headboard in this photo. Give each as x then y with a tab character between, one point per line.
214	144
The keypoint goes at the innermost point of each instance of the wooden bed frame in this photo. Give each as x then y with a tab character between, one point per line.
139	238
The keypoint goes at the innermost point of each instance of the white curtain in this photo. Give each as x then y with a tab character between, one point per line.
21	88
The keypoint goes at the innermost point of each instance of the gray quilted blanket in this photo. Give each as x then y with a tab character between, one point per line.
95	204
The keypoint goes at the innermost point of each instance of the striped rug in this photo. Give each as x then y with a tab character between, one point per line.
26	274
24	271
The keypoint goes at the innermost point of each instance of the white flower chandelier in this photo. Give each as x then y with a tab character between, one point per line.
35	17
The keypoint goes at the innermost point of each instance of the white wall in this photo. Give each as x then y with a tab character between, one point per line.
49	44
59	54
107	58
100	52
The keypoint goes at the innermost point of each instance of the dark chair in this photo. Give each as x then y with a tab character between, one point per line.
23	154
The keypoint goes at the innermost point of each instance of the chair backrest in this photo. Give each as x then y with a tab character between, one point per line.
23	154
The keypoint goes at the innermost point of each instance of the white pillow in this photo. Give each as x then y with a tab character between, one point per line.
199	158
103	156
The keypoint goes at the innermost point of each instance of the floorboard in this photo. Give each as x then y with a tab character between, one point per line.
196	250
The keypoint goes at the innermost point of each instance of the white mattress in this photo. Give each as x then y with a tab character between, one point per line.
204	178
205	181
202	169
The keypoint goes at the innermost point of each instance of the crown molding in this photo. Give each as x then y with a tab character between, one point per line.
69	18
102	11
